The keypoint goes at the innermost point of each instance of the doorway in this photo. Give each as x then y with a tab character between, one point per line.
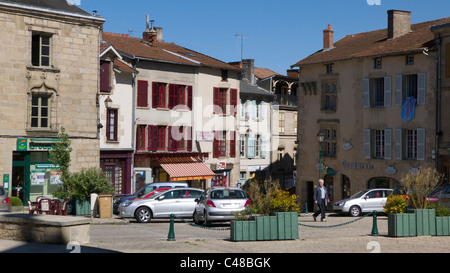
309	195
346	188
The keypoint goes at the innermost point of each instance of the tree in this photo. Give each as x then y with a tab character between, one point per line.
60	156
420	185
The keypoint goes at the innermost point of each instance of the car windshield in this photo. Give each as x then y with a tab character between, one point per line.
228	194
359	194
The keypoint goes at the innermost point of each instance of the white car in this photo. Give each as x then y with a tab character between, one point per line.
177	201
363	201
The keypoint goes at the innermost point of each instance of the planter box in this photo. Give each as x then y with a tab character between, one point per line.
281	226
426	221
402	225
78	207
443	226
243	230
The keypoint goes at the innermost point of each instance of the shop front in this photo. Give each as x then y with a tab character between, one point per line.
33	174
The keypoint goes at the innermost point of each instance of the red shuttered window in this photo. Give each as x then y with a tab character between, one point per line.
105	76
158	95
142	94
219	144
233	144
233	101
140	137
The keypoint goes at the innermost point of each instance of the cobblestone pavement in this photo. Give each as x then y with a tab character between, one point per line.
116	235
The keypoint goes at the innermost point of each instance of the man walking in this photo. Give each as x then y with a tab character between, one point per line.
320	198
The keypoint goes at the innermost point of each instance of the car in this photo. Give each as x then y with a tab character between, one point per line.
364	201
444	197
144	191
219	204
151	193
177	201
5	201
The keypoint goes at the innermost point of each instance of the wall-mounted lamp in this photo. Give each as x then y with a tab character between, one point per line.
108	102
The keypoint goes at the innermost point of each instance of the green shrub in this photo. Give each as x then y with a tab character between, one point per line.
283	201
395	204
16	201
440	210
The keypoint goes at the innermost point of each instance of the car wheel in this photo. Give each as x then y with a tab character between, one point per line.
206	222
355	211
196	219
143	215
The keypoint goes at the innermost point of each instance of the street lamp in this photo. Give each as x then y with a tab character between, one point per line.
320	138
108	102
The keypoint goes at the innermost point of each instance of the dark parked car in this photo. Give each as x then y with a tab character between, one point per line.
5	202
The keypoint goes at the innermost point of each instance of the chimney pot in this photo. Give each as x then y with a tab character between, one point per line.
328	37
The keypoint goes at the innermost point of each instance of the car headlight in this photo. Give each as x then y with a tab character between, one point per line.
339	204
126	204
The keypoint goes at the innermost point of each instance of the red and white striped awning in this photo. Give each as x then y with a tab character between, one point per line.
185	168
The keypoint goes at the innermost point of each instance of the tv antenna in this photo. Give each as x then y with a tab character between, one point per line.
243	36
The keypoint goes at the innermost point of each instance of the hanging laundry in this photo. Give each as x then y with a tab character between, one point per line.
408	108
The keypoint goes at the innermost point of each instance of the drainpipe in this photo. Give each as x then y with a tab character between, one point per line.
438	103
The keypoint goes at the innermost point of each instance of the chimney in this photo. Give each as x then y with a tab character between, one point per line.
248	70
328	37
399	23
150	35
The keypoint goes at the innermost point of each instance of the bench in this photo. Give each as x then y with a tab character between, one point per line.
52	229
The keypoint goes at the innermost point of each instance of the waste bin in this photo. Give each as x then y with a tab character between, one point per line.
105	205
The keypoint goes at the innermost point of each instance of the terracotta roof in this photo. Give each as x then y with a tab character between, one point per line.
262	73
375	43
162	51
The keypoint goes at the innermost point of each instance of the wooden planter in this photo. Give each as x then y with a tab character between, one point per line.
443	226
280	226
425	220
402	225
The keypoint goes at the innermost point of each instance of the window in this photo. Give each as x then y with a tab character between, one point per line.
378	92
176	137
224	75
377	63
329	143
295	122
177	95
220	100
280	155
281	123
409	59
40	111
158	95
219	144
258	146
111	125
161	138
411	86
41	50
142	93
411	144
242	146
329	68
105	76
140	135
379	144
330	97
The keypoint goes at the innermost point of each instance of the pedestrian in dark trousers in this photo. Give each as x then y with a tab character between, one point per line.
321	199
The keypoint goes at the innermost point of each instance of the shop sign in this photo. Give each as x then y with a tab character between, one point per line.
35	144
6	182
357	166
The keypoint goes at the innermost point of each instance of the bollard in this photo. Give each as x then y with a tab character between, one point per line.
306	208
171	236
374	226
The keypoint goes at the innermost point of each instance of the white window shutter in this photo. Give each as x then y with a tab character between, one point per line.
398	144
367	143
262	110
387	91
263	146
388	144
420	143
398	90
251	146
366	92
421	88
247	109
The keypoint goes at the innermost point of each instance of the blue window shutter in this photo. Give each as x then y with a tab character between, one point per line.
251	146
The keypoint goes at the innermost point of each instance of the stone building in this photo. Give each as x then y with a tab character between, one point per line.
49	76
373	96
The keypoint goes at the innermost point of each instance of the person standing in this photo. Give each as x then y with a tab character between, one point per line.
321	199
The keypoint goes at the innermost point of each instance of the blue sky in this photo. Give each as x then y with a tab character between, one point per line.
278	32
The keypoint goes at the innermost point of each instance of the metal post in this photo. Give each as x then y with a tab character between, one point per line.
320	160
306	208
374	226
171	236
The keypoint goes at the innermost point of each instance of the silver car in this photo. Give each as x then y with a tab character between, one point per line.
5	202
219	204
177	201
363	201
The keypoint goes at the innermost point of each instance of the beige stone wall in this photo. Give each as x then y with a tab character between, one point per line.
72	82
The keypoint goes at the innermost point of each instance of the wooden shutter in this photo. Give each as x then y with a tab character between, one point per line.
152	138
421	88
105	76
215	144
216	101
388	144
420	143
366	92
189	97
398	144
387	91
142	94
188	135
172	95
155	95
233	144
233	101
398	90
367	150
170	140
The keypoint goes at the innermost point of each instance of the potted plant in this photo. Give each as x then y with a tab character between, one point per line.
400	223
442	219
